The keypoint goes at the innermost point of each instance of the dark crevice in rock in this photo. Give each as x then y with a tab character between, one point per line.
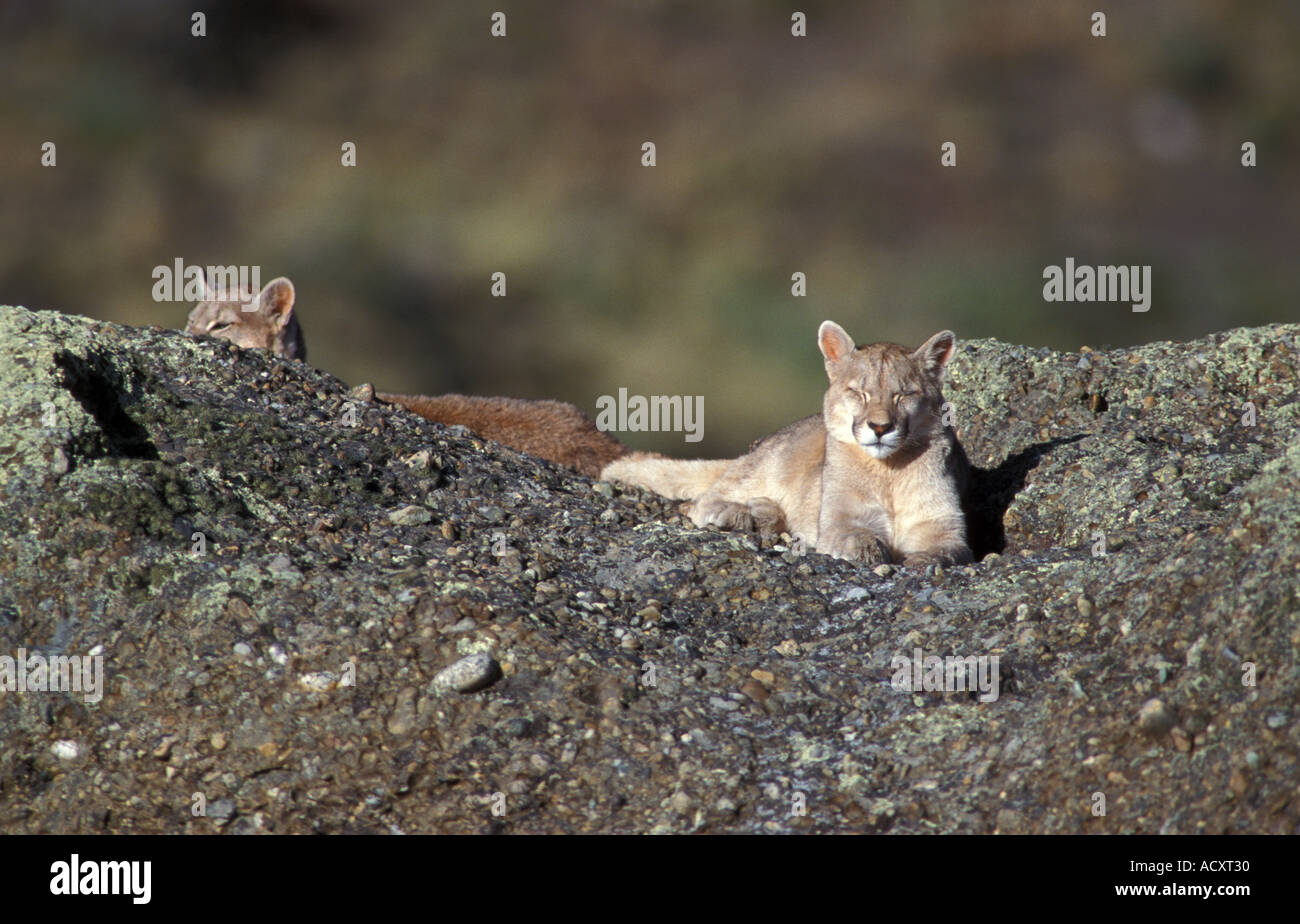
990	491
96	385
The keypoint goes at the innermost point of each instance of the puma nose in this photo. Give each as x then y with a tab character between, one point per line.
880	429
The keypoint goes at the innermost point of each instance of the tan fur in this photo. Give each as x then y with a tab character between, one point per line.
272	326
550	430
875	477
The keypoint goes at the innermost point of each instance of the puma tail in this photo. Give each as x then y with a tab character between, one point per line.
680	479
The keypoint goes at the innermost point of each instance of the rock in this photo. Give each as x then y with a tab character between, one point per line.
410	515
1126	544
1155	718
469	674
755	691
221	811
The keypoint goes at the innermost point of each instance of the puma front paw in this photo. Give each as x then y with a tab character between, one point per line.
945	557
761	515
722	514
860	546
767	515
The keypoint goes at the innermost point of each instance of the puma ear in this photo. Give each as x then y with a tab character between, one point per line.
934	354
276	301
834	341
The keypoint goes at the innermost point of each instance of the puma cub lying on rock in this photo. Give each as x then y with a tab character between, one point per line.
272	324
875	478
551	430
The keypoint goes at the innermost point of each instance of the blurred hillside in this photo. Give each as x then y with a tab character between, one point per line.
775	154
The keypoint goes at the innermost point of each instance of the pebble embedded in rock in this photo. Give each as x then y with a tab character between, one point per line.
410	515
1155	718
469	674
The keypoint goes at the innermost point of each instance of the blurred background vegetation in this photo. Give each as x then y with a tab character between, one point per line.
775	155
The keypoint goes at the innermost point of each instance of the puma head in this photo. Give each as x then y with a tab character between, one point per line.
270	324
883	397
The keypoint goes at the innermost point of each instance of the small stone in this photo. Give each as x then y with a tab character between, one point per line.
65	749
1182	740
1276	720
218	741
680	803
410	515
1237	782
1155	718
243	650
603	488
1085	606
448	530
883	570
469	674
766	678
402	719
755	691
222	810
788	648
418	460
318	681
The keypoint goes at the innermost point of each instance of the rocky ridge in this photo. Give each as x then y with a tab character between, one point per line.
318	614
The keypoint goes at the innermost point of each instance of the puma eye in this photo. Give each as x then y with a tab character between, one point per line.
219	326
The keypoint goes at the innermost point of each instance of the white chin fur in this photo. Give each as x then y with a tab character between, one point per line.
878	450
